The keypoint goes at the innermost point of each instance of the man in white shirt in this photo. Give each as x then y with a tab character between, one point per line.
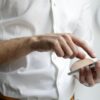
35	47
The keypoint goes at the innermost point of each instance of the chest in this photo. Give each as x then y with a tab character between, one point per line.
14	8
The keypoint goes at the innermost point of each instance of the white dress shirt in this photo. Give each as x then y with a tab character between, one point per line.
41	75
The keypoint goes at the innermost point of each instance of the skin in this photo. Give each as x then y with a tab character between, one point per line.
64	45
90	76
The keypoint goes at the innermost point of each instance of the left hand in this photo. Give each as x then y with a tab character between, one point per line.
90	76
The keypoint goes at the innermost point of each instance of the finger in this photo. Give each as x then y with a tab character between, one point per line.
82	76
89	76
84	45
57	48
80	54
94	73
65	47
71	45
97	69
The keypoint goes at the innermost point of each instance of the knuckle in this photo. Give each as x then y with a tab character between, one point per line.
60	38
55	42
67	36
75	52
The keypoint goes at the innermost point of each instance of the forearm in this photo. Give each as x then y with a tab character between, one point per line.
15	48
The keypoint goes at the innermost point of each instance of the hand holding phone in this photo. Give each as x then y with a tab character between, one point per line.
82	63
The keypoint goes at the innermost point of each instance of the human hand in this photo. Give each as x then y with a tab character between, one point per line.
64	45
90	76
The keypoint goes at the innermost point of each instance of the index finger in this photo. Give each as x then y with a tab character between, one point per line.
81	43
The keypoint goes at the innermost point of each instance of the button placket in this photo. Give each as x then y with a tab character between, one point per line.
53	57
54	15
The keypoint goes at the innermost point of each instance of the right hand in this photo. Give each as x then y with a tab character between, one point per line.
64	45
